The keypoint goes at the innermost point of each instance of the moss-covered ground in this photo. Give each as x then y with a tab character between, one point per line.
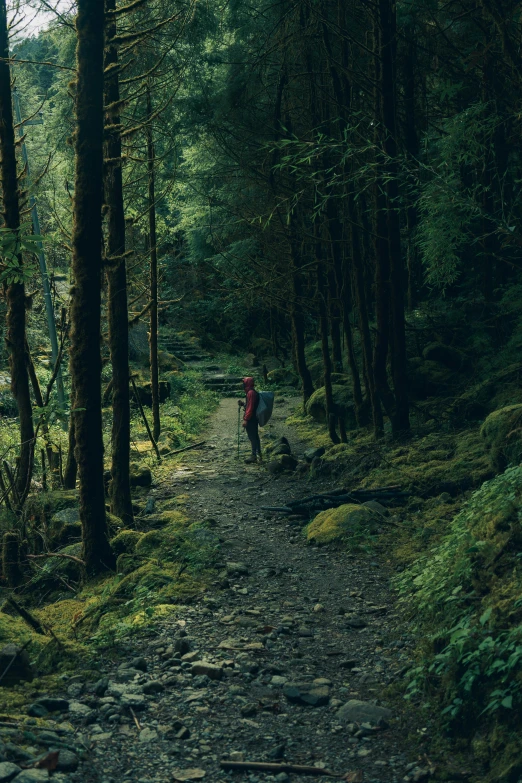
163	561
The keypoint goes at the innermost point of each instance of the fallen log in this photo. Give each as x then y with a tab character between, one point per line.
265	766
58	554
31	621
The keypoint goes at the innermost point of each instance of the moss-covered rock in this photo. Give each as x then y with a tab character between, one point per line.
317	372
168	362
41	507
145	393
140	476
445	354
125	542
64	528
502	435
284	376
427	378
282	463
341	379
338	523
343	405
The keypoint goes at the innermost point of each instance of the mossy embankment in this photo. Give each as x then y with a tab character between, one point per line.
456	543
165	560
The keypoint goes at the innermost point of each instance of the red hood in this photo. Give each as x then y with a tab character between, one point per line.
248	384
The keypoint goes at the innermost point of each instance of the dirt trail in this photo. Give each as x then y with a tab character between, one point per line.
297	614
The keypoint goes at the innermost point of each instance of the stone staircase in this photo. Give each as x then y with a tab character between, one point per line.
185	349
225	385
189	351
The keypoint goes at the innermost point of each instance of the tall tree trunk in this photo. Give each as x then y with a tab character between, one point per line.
86	294
153	334
362	312
411	143
331	418
334	313
388	53
120	492
15	320
361	410
71	466
298	326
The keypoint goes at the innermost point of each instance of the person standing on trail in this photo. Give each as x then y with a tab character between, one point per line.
250	422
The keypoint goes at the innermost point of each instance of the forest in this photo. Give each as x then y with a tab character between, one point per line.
324	197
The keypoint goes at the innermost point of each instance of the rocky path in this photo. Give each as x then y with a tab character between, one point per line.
285	661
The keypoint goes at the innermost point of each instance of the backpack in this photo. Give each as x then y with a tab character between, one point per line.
265	406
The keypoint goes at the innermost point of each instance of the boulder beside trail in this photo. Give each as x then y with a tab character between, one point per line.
336	523
343	405
15	665
281	463
356	711
307	694
501	433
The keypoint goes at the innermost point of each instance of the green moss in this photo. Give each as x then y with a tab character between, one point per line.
343	405
41	507
501	433
283	376
338	523
125	541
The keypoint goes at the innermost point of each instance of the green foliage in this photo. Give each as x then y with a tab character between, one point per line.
13	245
465	595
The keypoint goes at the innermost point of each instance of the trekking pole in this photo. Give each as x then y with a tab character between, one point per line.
238	428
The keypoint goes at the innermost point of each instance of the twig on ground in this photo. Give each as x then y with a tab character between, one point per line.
186	448
136	721
264	766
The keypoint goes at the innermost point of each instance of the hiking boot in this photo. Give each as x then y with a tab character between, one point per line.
250	460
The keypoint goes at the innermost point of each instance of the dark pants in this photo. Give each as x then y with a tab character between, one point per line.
252	430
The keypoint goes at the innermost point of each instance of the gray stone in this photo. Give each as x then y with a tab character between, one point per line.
190	657
75	690
307	694
52	704
363	712
135	700
32	776
100	687
148	735
139	663
154	686
354	621
47	738
237	569
15	665
182	645
211	670
67	761
37	711
311	454
79	709
8	771
278	680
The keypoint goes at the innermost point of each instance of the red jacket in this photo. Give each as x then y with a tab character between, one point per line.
251	399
